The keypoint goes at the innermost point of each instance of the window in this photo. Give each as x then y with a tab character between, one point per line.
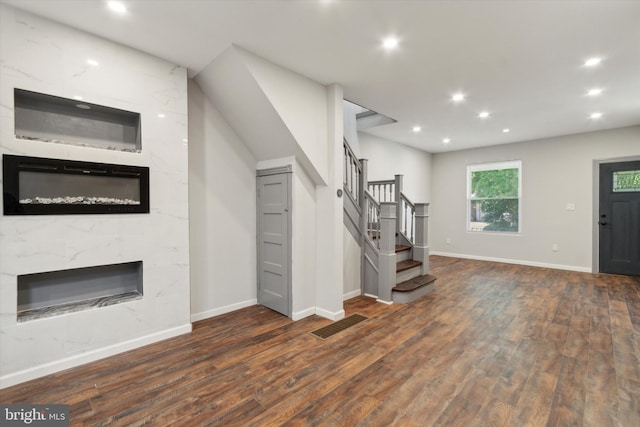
626	181
494	196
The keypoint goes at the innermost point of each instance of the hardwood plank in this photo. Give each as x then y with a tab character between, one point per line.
600	391
568	403
628	413
494	413
517	371
537	398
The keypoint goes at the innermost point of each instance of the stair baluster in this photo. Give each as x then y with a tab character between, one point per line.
353	173
373	219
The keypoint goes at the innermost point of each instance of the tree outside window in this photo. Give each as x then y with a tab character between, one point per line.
493	197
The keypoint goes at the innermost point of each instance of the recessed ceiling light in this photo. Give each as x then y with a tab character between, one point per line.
92	62
117	6
484	115
594	92
458	97
592	62
506	130
596	116
83	106
161	115
390	43
446	140
417	129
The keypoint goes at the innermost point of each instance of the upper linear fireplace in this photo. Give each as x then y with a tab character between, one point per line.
38	186
47	118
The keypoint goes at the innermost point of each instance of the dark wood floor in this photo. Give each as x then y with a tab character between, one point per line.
494	345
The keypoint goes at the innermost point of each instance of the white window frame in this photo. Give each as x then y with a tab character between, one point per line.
511	164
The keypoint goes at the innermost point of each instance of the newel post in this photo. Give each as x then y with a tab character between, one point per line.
421	245
387	255
364	181
398	198
364	210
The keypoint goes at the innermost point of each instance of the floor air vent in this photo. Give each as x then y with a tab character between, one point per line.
332	329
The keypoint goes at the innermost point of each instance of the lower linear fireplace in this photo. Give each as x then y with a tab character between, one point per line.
53	293
39	186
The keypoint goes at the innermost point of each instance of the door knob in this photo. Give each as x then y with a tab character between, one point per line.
602	223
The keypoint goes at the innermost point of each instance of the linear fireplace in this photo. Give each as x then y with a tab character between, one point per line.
52	293
47	118
39	186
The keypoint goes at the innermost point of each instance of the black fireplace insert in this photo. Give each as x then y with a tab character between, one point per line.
40	186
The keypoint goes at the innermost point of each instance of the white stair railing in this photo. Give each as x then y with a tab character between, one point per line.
352	173
372	209
407	218
383	191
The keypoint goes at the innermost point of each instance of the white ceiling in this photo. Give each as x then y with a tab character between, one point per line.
519	60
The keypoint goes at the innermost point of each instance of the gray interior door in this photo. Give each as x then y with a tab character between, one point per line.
620	218
274	241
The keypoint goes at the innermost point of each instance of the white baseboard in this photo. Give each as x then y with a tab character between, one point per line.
329	314
515	261
303	313
90	356
371	295
351	294
222	310
384	302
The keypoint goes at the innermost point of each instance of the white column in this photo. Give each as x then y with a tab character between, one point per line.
397	191
329	216
387	256
421	245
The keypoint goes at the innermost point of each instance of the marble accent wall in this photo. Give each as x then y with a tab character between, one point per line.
43	56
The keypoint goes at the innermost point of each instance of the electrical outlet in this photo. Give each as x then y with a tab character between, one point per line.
571	206
554	247
448	240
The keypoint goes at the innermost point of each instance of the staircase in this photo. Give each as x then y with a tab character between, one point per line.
392	232
411	284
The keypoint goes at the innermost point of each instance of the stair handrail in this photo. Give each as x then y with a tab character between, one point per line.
383	190
407	218
352	173
372	210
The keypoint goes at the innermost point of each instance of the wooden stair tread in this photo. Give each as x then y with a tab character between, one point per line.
400	248
415	283
406	265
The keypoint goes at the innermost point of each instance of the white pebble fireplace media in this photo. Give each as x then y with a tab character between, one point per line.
38	186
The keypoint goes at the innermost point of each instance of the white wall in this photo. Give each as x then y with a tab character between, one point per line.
279	115
351	270
276	112
351	126
222	212
388	158
350	247
304	248
555	171
43	56
301	104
